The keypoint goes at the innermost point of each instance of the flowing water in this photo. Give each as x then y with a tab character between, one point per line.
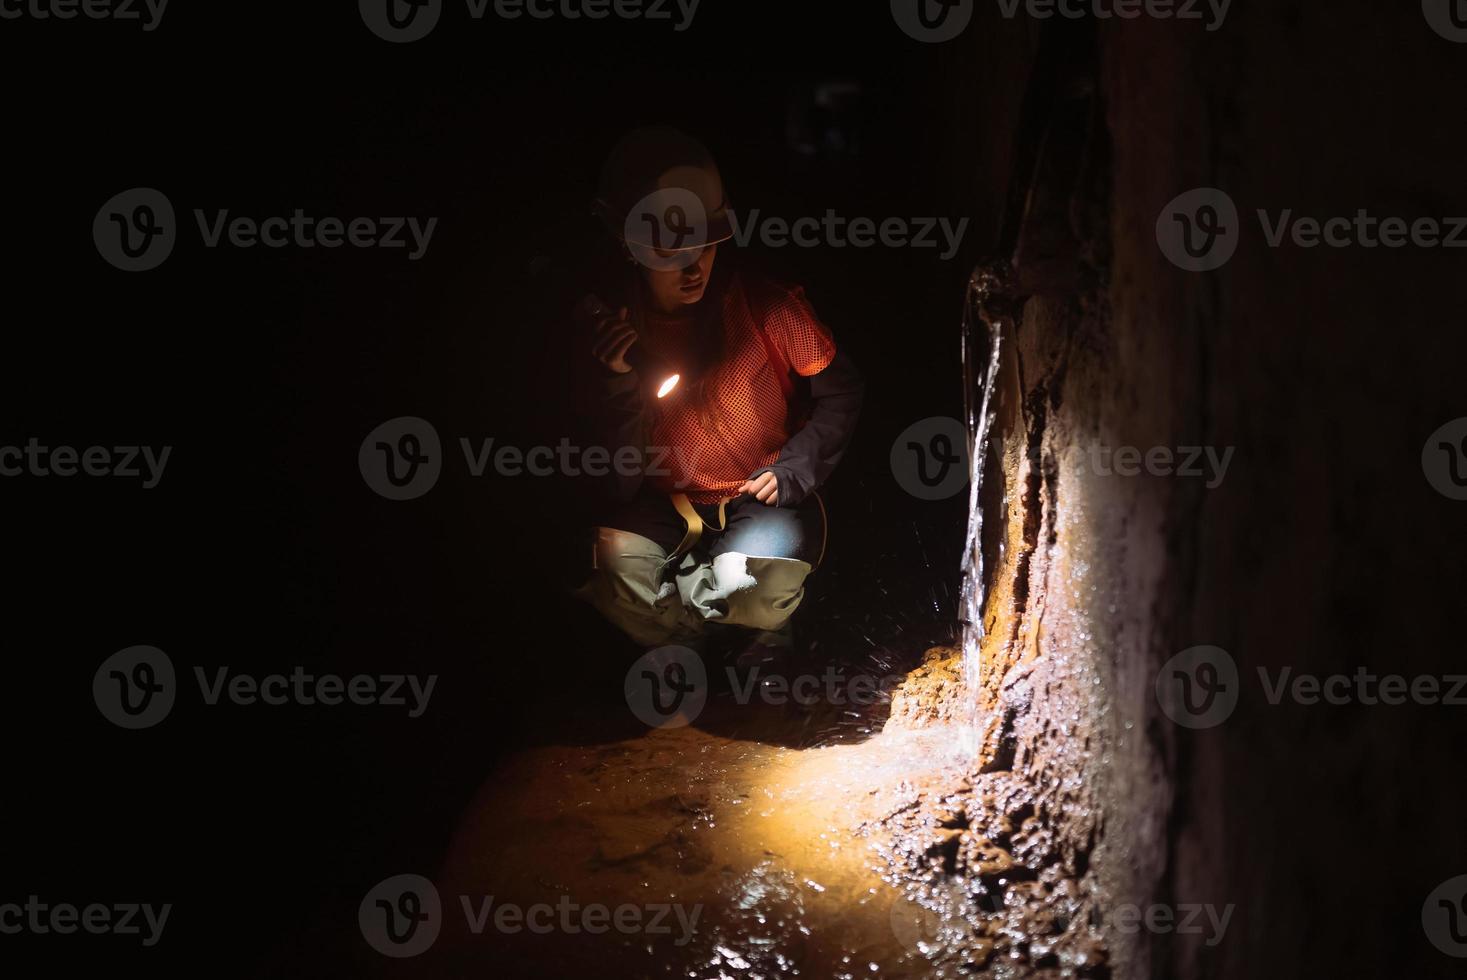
982	338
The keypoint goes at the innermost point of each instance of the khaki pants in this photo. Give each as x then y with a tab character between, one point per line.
750	573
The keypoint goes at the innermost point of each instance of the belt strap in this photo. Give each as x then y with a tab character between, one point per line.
694	522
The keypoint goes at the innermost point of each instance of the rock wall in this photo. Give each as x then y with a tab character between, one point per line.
1321	547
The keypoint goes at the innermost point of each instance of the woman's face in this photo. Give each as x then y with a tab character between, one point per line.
673	289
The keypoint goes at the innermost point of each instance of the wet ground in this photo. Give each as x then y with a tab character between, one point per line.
735	848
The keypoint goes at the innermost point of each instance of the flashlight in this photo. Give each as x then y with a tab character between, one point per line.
647	365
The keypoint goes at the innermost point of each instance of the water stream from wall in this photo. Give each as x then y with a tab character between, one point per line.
982	337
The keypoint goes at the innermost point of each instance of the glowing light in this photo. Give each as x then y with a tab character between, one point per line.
668	385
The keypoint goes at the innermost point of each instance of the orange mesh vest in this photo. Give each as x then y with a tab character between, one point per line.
747	397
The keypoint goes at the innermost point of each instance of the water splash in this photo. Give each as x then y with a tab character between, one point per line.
987	308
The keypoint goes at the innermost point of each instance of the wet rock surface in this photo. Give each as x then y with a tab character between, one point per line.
781	857
992	888
888	856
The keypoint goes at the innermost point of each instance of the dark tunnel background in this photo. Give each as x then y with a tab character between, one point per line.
266	368
265	549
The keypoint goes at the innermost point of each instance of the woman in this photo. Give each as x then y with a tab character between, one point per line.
725	531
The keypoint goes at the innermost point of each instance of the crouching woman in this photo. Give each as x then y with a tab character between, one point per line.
738	391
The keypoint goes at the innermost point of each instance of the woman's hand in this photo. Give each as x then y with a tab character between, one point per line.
612	339
764	488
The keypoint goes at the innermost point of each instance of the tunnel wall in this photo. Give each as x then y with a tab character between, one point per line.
1322	548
